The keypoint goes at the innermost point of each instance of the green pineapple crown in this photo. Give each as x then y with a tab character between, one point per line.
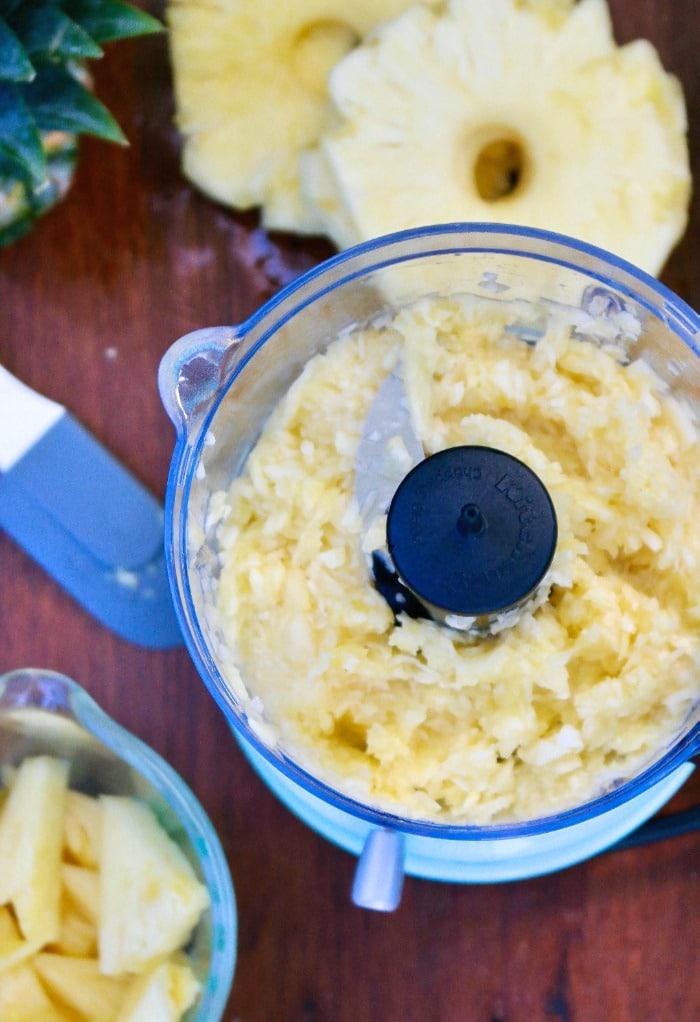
45	98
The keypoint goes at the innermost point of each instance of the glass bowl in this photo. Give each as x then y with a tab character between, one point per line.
45	713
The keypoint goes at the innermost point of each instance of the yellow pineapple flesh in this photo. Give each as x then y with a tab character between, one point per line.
62	895
77	985
30	847
514	112
250	88
23	998
161	995
150	898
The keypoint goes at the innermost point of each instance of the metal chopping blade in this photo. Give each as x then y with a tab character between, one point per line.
388	450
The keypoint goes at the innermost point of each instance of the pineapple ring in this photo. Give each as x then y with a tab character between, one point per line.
503	112
250	89
501	166
317	47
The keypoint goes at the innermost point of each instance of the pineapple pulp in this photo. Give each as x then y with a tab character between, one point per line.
511	112
411	716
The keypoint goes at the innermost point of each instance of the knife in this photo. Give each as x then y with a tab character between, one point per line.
83	517
47	453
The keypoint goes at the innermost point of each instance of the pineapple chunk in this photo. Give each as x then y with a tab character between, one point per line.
13	946
24	999
250	88
31	828
150	898
81	833
512	112
78	936
162	995
77	985
70	902
82	887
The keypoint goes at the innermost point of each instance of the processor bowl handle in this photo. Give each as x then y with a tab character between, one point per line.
380	870
192	371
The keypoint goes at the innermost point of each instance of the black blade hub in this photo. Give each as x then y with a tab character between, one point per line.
471	532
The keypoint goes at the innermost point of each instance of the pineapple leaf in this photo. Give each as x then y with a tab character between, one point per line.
7	7
59	102
20	204
47	33
15	65
107	20
61	155
20	225
19	135
16	213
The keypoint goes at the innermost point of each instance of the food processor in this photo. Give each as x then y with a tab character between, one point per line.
219	386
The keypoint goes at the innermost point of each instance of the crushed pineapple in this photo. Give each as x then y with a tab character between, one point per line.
412	716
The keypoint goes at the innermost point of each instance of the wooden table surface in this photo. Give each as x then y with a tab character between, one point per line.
89	302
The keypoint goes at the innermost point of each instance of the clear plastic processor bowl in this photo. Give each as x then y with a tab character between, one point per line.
45	713
219	386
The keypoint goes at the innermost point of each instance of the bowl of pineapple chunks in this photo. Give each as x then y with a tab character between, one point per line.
116	902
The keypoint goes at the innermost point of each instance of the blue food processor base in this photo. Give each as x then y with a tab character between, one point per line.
479	861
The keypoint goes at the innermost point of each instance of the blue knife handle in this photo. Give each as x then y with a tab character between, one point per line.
90	495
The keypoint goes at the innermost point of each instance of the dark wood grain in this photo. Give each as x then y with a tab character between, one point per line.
131	260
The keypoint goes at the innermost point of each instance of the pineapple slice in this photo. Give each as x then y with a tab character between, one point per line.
150	898
31	829
250	89
24	999
509	111
162	995
82	888
77	985
77	936
51	851
13	946
81	830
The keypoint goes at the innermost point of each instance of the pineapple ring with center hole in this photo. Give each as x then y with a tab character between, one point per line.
502	167
317	47
250	82
504	112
